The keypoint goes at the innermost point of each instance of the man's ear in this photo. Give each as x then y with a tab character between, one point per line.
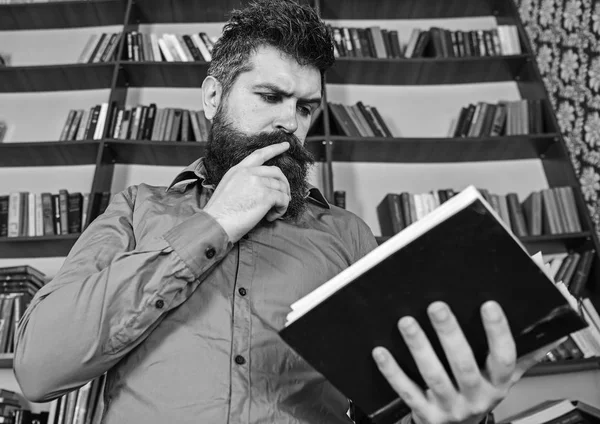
211	96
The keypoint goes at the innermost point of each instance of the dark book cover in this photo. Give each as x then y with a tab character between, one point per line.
582	273
56	214
370	120
149	124
176	128
461	254
74	202
91	129
389	213
3	216
24	210
47	214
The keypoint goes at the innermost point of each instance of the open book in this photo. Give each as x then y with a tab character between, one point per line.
461	253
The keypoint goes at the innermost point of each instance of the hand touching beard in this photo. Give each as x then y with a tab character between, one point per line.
227	146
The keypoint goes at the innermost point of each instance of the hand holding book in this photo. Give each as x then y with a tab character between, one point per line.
464	255
476	392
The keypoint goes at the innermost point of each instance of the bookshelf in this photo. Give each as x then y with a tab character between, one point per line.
420	156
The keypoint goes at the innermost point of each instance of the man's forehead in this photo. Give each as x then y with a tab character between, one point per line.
270	65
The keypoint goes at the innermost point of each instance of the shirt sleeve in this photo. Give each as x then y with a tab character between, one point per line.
108	296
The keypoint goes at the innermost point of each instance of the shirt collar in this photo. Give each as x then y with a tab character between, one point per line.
197	171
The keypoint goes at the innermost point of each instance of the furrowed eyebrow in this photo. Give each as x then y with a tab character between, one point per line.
277	90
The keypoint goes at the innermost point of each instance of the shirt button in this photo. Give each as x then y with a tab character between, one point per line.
159	303
240	360
242	291
210	252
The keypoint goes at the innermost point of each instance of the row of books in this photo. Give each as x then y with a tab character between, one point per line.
18	285
100	48
548	211
572	269
168	47
366	42
82	124
359	120
439	42
3	129
586	340
380	43
141	122
26	214
80	406
485	119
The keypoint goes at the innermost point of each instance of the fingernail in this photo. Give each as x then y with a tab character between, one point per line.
407	325
379	355
492	311
439	311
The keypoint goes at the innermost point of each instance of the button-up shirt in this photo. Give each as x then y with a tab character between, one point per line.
183	321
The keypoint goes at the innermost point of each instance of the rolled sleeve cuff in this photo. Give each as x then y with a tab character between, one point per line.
200	242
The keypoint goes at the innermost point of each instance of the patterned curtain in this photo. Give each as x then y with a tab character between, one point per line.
566	37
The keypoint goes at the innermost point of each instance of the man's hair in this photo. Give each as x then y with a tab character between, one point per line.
294	29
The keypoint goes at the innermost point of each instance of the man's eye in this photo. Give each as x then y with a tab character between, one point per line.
270	98
304	111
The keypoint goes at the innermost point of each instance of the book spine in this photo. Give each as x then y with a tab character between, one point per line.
56	213
48	214
3	216
39	215
31	214
74	213
14	214
63	197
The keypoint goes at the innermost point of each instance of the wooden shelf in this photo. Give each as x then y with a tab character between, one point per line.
77	76
52	153
6	360
164	74
181	11
411	9
563	367
425	71
436	150
61	14
175	153
146	152
36	247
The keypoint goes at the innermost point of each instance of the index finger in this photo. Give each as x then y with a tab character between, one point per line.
260	156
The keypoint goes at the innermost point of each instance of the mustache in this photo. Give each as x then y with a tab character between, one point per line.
296	153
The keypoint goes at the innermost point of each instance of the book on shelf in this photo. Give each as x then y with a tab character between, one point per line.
551	211
505	118
556	411
167	47
358	120
462	254
3	129
100	48
82	405
26	214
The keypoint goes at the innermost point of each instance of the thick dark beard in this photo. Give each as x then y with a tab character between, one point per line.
226	147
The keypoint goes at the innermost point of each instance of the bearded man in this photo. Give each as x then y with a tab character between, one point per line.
178	293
